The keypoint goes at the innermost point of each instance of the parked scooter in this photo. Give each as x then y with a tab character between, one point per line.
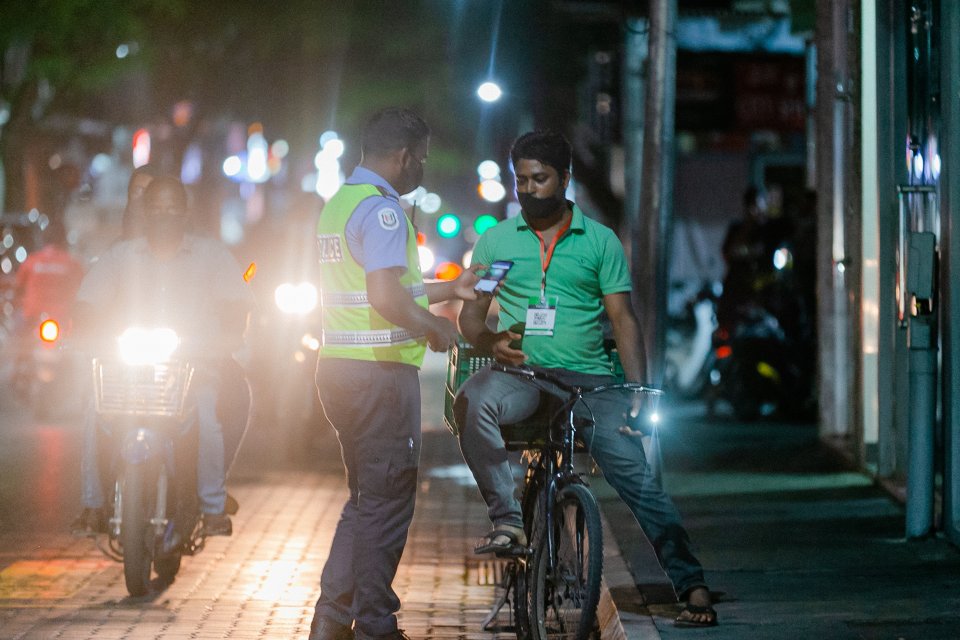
142	400
689	354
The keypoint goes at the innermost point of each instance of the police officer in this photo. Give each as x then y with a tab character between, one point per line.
376	327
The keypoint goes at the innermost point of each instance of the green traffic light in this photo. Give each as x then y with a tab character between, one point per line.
484	222
448	225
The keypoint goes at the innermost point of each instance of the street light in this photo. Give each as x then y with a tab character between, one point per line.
489	91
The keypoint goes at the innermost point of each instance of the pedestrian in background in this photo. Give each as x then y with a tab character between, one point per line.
376	328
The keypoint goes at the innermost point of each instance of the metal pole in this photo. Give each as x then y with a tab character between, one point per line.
950	265
635	57
919	305
923	398
651	247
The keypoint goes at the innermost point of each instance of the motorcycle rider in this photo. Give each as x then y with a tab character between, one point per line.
49	278
194	284
45	286
747	248
133	222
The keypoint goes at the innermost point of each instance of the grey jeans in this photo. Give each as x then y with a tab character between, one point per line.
491	398
375	409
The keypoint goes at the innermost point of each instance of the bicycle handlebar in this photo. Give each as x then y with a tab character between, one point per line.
532	374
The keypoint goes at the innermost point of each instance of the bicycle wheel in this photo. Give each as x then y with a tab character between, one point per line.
563	600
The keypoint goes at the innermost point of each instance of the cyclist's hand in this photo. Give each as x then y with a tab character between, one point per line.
633	418
503	352
441	334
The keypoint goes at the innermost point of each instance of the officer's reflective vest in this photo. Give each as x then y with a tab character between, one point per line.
352	328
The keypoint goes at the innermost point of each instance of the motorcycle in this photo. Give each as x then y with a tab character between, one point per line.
44	374
142	400
763	362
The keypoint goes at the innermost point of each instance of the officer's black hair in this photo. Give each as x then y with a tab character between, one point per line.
549	147
392	129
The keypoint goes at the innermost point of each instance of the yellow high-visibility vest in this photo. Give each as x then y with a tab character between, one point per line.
352	328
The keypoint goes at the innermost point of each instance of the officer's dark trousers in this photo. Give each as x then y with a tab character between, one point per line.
375	409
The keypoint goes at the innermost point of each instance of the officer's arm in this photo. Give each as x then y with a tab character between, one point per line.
473	320
393	301
626	331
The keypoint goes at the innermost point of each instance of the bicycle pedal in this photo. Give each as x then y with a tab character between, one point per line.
516	551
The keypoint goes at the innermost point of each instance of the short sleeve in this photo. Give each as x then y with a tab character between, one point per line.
228	274
100	285
377	235
482	251
614	274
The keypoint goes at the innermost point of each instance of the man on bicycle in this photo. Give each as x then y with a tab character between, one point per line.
568	270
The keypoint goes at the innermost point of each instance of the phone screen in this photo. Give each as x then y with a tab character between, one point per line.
494	275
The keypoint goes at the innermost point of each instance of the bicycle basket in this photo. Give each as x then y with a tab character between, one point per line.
464	361
141	390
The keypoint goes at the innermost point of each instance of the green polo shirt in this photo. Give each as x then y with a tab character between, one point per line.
588	263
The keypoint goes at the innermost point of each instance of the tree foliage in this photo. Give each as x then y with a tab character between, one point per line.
298	66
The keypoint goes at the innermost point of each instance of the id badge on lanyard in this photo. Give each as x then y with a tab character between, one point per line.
542	310
541	316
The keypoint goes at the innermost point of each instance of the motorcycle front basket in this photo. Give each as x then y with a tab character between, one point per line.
141	390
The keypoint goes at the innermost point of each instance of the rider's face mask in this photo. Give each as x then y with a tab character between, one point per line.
165	219
166	229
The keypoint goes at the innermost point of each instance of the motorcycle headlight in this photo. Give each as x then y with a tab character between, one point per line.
297	299
147	346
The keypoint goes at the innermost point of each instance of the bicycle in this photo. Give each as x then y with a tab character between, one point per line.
555	581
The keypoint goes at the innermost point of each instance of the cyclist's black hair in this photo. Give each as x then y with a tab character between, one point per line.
392	129
549	147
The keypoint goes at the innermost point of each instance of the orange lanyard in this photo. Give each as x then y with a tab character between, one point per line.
546	254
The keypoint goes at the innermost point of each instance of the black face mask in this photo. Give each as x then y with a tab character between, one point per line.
540	207
166	230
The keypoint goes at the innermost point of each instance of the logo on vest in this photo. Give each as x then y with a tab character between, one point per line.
388	219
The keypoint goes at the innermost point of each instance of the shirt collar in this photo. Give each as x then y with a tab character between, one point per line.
362	175
576	222
187	245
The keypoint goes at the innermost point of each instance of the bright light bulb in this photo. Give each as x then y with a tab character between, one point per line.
427	259
488	170
430	203
492	190
489	92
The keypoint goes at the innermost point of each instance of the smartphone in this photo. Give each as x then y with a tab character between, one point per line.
493	276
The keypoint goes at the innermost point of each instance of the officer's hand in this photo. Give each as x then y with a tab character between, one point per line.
503	352
463	286
441	334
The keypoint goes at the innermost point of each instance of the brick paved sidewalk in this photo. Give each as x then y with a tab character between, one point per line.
262	582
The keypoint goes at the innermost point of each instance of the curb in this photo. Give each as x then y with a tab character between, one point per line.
620	612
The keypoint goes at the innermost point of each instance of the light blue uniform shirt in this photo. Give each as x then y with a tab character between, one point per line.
374	239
